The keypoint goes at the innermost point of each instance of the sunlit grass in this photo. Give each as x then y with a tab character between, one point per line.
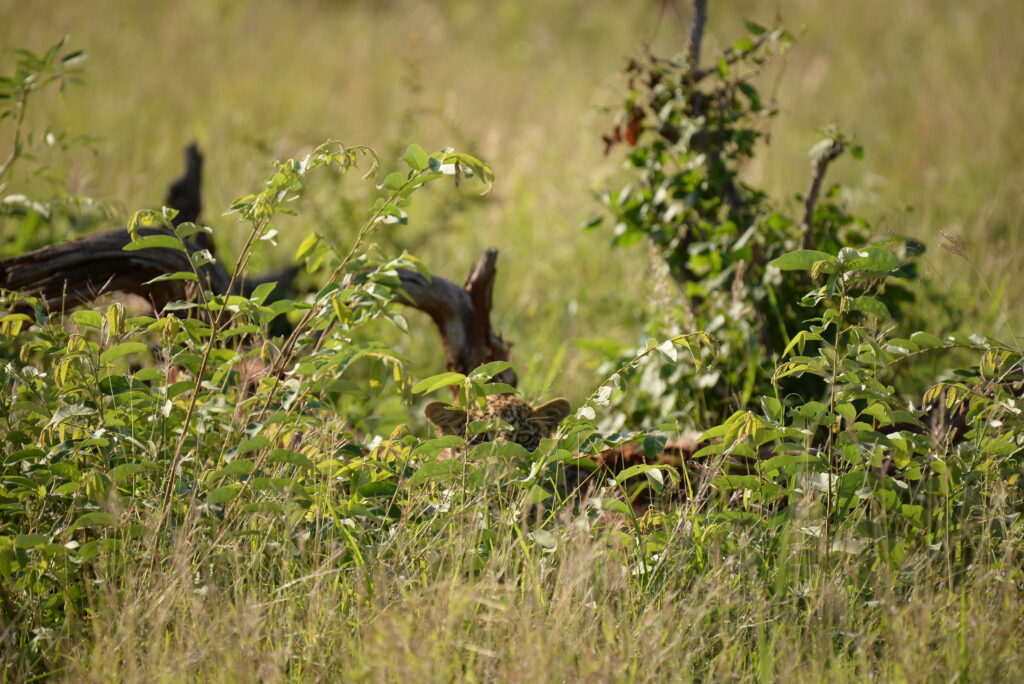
930	88
431	607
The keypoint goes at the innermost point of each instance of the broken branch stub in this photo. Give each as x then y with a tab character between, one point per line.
462	315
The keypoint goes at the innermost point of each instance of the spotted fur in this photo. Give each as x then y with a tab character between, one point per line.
527	425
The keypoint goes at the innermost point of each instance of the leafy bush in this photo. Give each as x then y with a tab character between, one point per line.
125	430
812	374
689	132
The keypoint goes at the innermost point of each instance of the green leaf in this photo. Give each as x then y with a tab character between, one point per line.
292	457
616	506
754	27
926	339
94	548
537	494
436	470
261	292
94	519
873	259
847	411
785	460
88	318
394	181
28	541
416	157
999	446
432	447
653	445
772	408
32	454
11	323
188	229
870	305
436	382
377	489
307	246
223	494
743	45
498	388
154	241
257	442
505	450
263	507
240	466
633	471
180	275
120	350
915	514
489	370
126	470
69	411
801	260
811	410
728	482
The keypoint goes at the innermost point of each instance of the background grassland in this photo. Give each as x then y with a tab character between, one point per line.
931	88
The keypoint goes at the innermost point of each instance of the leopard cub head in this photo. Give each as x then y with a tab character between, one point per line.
527	425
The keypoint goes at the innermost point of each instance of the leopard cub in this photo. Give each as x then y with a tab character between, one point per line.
527	425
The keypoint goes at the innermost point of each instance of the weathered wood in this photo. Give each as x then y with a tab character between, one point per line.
819	166
185	192
185	196
79	271
462	315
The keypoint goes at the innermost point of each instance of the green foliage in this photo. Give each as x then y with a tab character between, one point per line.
889	473
41	220
123	430
690	133
194	489
820	417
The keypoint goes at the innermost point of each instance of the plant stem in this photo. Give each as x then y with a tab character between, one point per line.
16	147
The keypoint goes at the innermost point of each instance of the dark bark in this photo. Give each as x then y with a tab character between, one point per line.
697	21
818	169
462	315
79	271
185	195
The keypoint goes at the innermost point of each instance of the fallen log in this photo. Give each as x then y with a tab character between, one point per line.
78	272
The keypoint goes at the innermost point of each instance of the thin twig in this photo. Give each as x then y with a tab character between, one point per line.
16	149
730	56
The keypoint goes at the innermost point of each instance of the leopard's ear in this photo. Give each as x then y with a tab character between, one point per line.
448	419
549	415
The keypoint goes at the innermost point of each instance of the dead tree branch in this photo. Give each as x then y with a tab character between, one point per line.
462	315
79	271
184	194
819	166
